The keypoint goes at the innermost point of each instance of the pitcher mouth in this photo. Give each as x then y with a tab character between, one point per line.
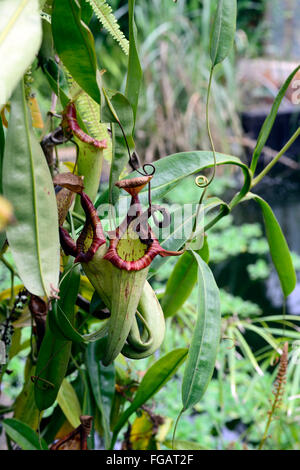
134	252
127	249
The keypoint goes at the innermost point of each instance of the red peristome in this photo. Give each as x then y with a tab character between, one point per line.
70	117
67	243
98	235
77	249
133	186
153	250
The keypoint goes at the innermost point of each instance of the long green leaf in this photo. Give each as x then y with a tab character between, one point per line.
27	184
68	401
205	340
247	350
102	381
284	334
174	168
182	280
20	39
223	30
86	11
134	73
179	231
23	435
279	249
155	378
25	409
54	354
264	334
269	121
281	318
74	43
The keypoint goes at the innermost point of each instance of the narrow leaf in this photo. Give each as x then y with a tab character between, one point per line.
205	340
264	334
102	381
279	249
174	168
269	121
134	74
54	354
182	281
23	435
74	43
155	378
20	39
223	30
117	109
180	230
247	350
27	184
25	409
68	401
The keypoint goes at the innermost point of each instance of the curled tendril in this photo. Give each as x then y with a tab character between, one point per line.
201	181
145	172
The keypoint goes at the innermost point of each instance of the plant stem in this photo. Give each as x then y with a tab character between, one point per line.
275	159
208	127
175	427
216	219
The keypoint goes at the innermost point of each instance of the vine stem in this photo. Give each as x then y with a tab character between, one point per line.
175	427
276	158
206	182
271	413
216	219
208	126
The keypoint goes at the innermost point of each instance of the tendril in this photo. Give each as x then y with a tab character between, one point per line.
133	158
202	182
134	162
208	128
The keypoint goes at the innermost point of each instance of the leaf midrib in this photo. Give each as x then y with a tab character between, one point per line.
204	328
13	20
36	222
